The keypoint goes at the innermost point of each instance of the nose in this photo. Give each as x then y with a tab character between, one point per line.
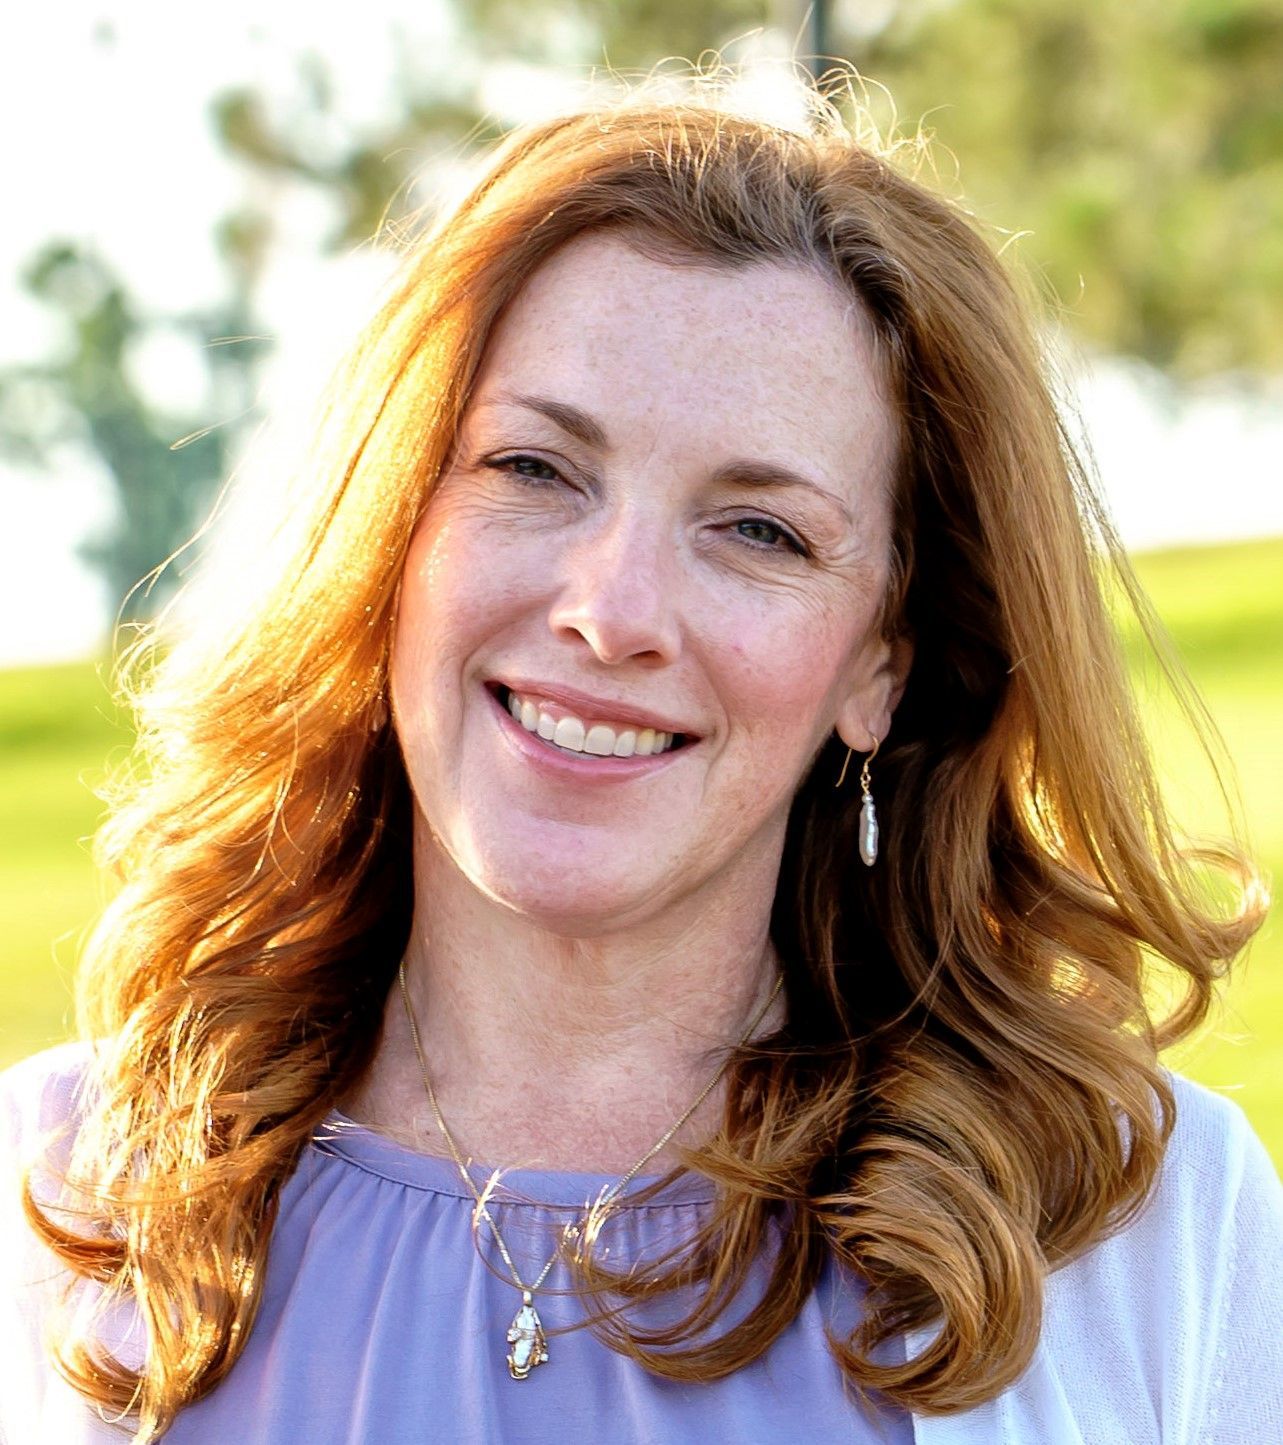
618	593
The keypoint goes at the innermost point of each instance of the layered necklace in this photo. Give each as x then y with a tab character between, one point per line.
526	1340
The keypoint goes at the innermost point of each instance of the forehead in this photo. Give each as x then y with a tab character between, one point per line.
772	358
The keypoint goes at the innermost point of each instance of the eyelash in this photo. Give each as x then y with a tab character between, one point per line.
793	543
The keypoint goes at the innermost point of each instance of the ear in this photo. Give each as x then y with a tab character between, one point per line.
865	716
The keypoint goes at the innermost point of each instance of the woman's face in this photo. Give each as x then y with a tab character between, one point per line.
669	503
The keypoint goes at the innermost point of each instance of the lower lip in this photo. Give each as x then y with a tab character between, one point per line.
584	766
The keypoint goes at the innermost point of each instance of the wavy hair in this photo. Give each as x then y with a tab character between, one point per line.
966	1092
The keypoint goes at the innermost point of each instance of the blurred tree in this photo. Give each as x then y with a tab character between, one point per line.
1140	147
363	176
626	34
163	467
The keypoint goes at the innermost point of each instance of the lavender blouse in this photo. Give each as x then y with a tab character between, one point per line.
384	1319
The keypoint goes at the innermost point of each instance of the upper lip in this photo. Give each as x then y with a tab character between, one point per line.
587	707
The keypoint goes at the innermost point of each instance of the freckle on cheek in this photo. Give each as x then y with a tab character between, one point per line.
743	645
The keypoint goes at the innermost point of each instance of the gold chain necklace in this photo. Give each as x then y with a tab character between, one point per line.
527	1343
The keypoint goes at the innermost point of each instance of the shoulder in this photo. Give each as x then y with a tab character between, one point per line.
1166	1330
45	1088
1216	1193
1176	1313
1214	1157
1216	1190
39	1097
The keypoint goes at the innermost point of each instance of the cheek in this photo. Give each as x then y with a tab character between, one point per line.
420	601
452	596
781	678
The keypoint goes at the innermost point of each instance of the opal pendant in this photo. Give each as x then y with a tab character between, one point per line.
528	1345
868	832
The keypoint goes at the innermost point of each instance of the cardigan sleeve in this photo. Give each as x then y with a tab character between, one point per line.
1170	1331
38	1096
1244	1401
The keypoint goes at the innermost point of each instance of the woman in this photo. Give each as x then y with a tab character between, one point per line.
694	470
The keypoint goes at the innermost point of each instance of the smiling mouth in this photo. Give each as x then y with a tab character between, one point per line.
583	739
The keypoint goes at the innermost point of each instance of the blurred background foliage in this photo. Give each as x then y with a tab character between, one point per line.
1134	151
1137	145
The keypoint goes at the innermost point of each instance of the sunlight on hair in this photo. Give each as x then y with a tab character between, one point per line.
255	524
928	1072
775	92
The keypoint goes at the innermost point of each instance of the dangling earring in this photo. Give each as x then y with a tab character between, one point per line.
379	716
868	815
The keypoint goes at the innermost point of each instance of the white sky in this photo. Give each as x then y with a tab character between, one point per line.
110	143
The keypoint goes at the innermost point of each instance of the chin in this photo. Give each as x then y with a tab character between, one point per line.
571	896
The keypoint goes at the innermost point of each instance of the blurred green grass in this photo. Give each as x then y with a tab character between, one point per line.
58	732
1223	607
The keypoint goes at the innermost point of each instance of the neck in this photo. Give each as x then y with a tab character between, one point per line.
559	1051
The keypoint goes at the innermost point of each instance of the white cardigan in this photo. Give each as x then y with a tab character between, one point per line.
1168	1333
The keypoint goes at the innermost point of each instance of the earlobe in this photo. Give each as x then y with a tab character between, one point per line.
865	719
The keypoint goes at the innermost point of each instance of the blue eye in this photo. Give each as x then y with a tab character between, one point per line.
514	464
527	468
789	541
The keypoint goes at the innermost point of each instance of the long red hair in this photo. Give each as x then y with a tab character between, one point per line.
966	1092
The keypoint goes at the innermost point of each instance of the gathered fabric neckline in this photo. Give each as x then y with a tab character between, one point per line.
358	1144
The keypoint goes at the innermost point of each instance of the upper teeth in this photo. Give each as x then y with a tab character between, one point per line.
567	731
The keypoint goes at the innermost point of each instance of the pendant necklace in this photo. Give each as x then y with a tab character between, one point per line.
526	1340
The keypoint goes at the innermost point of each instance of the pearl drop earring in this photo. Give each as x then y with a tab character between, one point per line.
868	834
868	814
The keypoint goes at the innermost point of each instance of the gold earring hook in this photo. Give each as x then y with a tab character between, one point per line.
865	780
864	771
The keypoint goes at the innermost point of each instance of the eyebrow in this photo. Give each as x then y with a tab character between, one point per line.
745	472
569	418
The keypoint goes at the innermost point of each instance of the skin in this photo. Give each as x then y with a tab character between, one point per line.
579	952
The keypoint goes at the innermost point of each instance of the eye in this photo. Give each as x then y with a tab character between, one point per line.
526	467
778	538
